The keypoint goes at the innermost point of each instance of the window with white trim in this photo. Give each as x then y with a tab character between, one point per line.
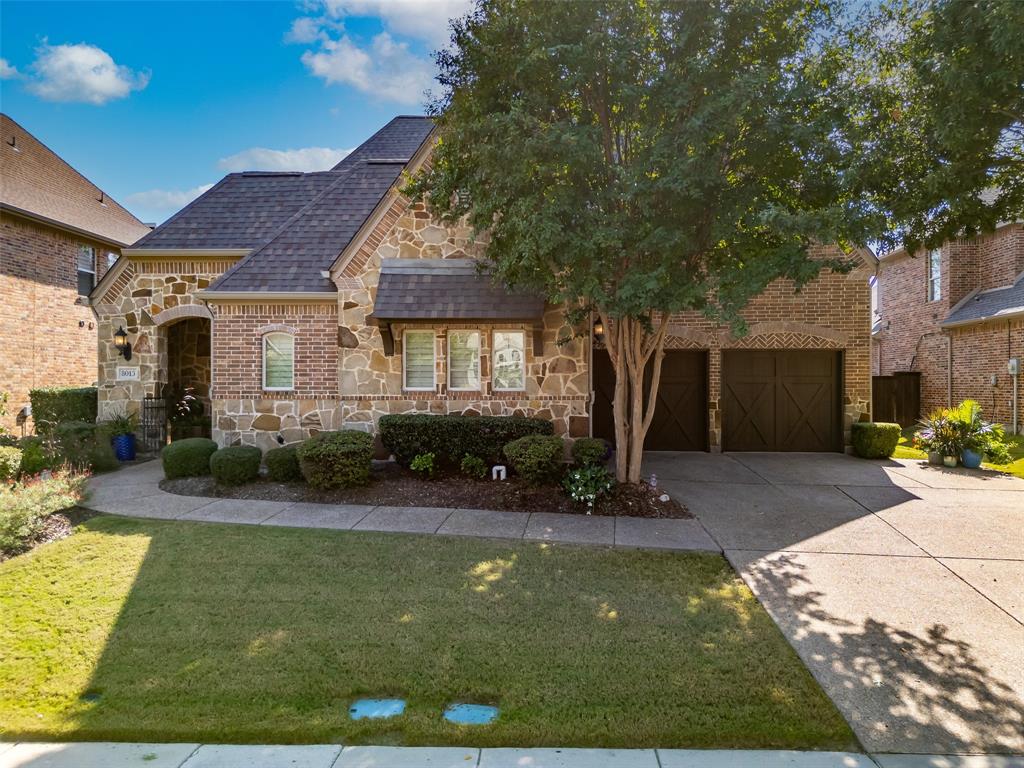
278	361
463	360
934	275
509	361
86	269
418	361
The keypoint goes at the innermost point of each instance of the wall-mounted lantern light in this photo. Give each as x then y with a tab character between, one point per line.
598	331
121	343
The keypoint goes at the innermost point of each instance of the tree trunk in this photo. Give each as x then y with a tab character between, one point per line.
630	348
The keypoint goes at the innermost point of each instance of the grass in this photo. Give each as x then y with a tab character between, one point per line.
906	450
171	631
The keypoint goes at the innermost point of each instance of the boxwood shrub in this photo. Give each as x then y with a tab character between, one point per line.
589	451
450	438
283	464
236	465
874	439
10	462
536	458
187	458
336	459
52	406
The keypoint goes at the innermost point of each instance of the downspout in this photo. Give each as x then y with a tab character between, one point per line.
590	377
949	370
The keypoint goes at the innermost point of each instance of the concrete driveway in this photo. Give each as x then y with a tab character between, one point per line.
900	585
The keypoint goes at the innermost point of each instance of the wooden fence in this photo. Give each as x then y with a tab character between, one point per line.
896	398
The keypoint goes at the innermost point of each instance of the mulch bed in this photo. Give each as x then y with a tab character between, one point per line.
59	525
392	485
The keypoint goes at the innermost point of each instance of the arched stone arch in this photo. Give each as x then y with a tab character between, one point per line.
180	312
277	328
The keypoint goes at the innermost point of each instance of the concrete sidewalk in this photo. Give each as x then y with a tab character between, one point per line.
115	755
135	492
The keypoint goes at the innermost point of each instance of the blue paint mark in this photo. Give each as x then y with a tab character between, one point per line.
470	714
374	708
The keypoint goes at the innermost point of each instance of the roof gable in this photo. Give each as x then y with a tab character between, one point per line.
37	182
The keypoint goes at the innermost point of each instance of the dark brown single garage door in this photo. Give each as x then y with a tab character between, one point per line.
781	400
680	418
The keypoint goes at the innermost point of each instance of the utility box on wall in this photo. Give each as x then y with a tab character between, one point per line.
1013	366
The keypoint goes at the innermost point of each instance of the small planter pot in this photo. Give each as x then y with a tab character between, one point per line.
971	459
949	461
934	457
124	447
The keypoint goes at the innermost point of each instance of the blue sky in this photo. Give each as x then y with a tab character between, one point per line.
153	101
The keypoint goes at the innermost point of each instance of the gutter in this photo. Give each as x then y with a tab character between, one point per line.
189	253
1010	315
331	296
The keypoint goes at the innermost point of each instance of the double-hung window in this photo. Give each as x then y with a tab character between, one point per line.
934	275
278	362
418	360
463	360
509	361
86	269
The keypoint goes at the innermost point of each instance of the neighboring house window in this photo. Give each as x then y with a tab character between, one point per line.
111	259
509	360
464	360
934	275
418	359
278	361
86	269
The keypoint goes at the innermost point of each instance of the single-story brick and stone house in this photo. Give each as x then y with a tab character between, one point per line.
298	302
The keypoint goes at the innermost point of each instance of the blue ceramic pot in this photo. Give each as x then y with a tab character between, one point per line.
970	459
124	447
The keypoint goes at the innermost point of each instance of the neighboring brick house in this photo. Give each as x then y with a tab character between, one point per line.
331	299
956	315
59	234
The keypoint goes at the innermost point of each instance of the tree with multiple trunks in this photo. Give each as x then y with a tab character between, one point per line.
638	158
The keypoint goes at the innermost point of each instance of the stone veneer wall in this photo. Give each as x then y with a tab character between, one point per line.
147	297
557	381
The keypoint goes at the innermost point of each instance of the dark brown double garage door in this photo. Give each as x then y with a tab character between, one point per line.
772	400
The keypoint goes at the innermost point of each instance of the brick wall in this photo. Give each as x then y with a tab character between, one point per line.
911	338
46	339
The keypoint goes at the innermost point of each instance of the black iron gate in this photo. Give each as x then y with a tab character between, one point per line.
153	424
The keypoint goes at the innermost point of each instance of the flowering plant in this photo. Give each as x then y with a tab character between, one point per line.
586	484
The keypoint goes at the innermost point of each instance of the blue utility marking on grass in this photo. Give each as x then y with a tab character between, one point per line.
471	714
365	708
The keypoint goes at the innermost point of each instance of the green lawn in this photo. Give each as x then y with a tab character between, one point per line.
906	450
151	631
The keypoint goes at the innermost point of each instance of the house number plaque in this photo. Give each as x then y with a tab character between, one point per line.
127	374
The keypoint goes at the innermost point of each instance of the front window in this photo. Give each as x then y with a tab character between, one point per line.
278	361
86	269
418	359
464	360
934	275
509	360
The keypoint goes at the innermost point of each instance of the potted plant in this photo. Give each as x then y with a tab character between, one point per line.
979	438
924	438
122	435
948	440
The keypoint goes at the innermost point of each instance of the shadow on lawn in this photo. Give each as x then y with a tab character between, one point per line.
923	691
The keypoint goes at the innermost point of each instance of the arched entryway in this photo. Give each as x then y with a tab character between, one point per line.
186	367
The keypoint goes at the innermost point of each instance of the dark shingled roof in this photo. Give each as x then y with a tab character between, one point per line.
447	289
987	305
296	224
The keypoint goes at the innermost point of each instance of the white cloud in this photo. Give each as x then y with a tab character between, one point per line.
420	19
386	68
304	29
160	203
8	71
82	73
262	159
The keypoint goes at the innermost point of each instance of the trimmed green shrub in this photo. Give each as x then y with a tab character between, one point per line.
283	464
473	466
52	406
10	462
536	458
425	464
874	439
588	451
236	465
25	506
37	455
336	459
187	458
450	438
